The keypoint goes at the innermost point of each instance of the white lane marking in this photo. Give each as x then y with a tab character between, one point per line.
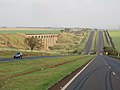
106	63
117	77
77	75
114	73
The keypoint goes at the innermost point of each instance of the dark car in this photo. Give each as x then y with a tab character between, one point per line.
18	55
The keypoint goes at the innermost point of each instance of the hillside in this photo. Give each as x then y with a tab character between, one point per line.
69	40
12	41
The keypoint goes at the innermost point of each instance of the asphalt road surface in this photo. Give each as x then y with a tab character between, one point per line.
102	74
89	43
100	42
29	58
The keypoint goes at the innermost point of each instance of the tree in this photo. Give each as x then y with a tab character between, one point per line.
33	42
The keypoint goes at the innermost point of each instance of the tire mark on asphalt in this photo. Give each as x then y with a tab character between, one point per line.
81	83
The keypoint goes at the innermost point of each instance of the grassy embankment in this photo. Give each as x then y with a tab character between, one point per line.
84	41
106	44
38	74
13	41
15	38
115	34
68	42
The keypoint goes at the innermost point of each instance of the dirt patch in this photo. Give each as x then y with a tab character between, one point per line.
66	79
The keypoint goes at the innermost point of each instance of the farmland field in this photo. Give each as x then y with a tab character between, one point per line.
30	31
38	74
115	34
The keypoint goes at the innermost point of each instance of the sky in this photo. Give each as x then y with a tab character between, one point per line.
60	13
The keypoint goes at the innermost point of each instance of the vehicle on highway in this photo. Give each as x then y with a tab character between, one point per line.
18	55
101	52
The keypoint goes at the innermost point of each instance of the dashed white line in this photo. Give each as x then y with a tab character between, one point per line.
109	67
106	63
114	73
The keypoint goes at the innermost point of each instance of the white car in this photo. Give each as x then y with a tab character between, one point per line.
18	55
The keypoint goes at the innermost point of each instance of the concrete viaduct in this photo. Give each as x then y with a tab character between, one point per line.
47	39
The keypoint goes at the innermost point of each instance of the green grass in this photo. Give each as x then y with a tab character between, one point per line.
14	40
68	40
115	34
38	80
30	31
105	41
84	41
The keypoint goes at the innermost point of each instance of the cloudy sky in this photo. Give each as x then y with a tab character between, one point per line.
69	13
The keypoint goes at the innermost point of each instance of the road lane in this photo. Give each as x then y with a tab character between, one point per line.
100	42
89	43
29	58
102	74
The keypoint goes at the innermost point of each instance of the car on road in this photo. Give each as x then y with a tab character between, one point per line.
18	55
101	52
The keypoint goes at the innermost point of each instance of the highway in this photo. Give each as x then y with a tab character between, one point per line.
29	58
100	41
89	43
103	73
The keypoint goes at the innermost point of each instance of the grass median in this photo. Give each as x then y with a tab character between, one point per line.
38	74
84	41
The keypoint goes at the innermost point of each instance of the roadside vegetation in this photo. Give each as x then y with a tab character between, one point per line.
84	41
106	44
38	74
115	34
70	41
13	41
33	42
114	37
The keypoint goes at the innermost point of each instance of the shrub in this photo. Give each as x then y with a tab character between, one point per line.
111	51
